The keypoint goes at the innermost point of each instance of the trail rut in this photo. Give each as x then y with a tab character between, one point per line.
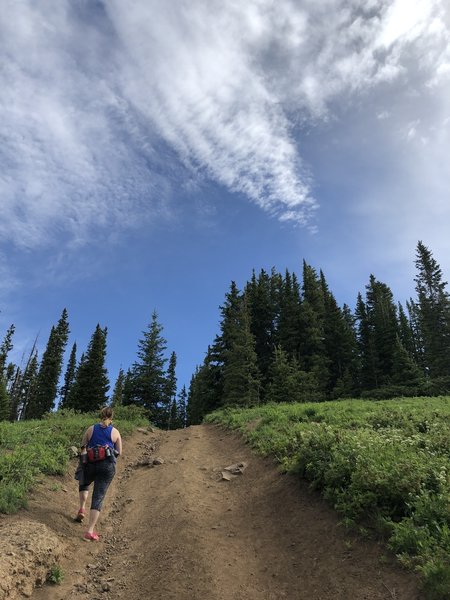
179	531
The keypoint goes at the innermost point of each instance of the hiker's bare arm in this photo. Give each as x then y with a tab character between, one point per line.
117	441
87	436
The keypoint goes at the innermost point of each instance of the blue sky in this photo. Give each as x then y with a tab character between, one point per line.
154	151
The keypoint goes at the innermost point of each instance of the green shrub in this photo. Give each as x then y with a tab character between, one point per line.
386	461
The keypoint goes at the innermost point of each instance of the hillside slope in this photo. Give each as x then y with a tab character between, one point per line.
178	530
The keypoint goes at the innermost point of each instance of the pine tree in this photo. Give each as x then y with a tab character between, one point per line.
169	408
340	344
259	293
25	388
241	380
434	313
205	389
368	379
313	357
282	386
5	401
89	390
49	370
6	348
289	322
405	372
69	377
182	407
382	315
147	386
118	392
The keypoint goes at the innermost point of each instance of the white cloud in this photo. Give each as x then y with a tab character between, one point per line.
85	96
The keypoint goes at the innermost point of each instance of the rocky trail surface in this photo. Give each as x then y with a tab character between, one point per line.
177	525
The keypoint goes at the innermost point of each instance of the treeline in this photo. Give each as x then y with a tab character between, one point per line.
282	340
36	387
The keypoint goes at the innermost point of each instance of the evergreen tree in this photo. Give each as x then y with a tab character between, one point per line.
182	407
406	333
205	389
382	315
405	372
6	348
289	322
118	392
89	390
313	357
414	323
263	311
368	379
25	388
147	386
127	392
69	377
49	370
5	401
283	384
241	381
339	343
169	408
434	313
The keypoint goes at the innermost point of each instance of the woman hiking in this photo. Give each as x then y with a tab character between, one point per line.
100	447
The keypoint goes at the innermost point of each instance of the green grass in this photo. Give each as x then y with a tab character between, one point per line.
384	464
55	575
31	449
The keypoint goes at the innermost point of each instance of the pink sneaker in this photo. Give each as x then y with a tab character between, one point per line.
93	537
80	516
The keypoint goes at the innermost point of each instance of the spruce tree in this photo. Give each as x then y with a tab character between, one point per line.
182	407
340	344
241	377
89	390
5	401
313	357
117	395
205	388
405	372
169	407
289	321
69	377
434	313
259	293
147	387
368	379
49	370
6	348
282	386
382	316
25	386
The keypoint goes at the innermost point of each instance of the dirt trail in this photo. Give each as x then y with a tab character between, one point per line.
179	531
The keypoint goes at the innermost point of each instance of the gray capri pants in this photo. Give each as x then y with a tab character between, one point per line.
101	473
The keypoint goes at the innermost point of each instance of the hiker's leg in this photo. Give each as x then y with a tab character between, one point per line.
83	499
93	518
104	476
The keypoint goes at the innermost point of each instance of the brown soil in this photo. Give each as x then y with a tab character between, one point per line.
180	531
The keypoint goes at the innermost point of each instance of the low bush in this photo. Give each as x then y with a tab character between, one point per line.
386	462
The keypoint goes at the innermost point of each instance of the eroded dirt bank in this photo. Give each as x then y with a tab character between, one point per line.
178	530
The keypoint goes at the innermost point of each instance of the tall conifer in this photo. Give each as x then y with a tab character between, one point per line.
147	385
89	390
117	395
49	370
69	377
434	313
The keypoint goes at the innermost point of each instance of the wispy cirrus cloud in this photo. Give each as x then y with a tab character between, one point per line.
90	90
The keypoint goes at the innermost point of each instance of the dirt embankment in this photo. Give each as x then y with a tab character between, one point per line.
180	530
